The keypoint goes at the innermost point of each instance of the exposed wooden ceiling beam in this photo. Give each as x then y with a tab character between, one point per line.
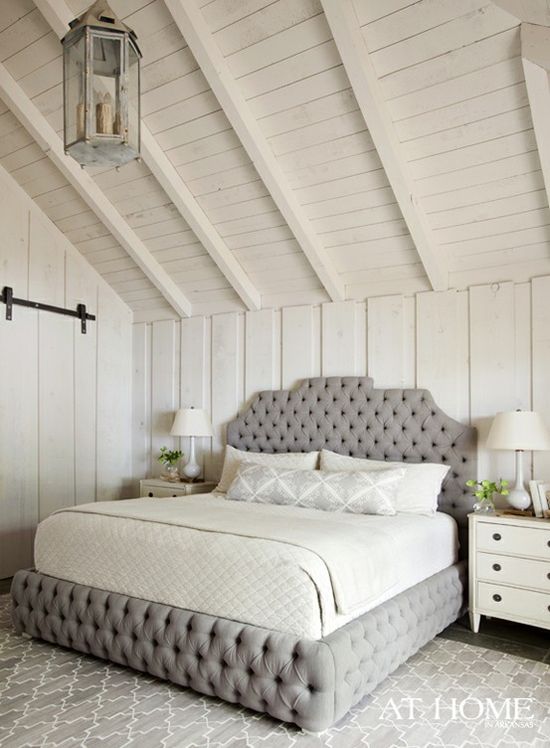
47	138
535	56
58	14
196	33
348	37
529	11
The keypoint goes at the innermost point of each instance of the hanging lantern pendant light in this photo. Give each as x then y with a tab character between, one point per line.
101	93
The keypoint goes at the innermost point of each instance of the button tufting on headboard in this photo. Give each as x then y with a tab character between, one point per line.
348	415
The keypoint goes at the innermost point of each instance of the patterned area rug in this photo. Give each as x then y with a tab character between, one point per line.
449	694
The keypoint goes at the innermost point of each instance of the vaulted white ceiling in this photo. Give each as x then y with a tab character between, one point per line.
294	151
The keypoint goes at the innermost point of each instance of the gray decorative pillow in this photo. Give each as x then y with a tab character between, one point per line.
355	492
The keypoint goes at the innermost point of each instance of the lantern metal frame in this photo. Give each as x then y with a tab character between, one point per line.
93	147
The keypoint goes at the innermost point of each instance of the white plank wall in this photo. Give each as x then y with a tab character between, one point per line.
474	350
194	365
227	376
339	350
442	359
65	398
166	374
297	344
260	369
541	362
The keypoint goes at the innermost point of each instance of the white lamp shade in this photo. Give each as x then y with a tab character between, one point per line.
519	430
191	422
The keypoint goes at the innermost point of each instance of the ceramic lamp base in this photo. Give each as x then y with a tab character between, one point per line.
192	469
518	497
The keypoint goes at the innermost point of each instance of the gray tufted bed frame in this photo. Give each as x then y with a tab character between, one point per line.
312	683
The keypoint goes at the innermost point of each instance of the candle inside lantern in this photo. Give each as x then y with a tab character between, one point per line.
104	114
80	122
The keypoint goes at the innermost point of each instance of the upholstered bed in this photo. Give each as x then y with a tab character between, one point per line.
310	671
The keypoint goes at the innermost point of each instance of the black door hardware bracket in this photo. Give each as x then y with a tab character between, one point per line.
80	312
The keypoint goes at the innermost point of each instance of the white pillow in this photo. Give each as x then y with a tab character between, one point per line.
357	492
419	490
233	458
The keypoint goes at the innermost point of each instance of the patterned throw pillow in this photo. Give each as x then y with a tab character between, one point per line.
355	492
417	494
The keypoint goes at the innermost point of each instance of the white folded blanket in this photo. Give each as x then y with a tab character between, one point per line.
356	553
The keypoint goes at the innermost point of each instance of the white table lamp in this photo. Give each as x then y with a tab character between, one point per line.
522	431
192	422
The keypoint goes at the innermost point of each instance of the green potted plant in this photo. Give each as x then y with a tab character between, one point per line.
484	490
169	459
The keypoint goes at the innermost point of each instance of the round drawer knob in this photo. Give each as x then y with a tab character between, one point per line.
150	494
548	543
497	567
496	536
497	598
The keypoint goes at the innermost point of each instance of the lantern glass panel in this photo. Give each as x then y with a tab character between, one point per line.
133	98
106	69
75	93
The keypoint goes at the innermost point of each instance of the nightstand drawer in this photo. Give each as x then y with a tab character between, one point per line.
162	489
523	541
163	493
501	601
523	572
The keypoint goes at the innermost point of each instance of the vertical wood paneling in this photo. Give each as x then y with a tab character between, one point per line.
442	349
85	413
81	288
50	423
141	402
18	441
297	344
523	361
80	284
361	335
259	352
409	342
338	345
14	240
492	368
386	341
541	365
114	398
225	379
193	384
425	341
165	389
46	263
56	438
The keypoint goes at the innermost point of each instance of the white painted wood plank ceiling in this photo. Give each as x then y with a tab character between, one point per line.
261	184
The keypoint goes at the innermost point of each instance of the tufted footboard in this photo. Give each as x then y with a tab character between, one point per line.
308	682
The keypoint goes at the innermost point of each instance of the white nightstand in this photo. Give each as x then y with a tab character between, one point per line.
509	569
161	489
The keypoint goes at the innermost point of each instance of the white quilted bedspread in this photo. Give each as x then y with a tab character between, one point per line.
154	552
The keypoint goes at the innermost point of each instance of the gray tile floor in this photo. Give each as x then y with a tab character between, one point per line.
503	636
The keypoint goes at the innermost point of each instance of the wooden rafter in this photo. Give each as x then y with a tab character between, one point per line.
47	138
58	14
189	19
346	31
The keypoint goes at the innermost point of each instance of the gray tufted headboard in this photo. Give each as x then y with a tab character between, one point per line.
348	415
